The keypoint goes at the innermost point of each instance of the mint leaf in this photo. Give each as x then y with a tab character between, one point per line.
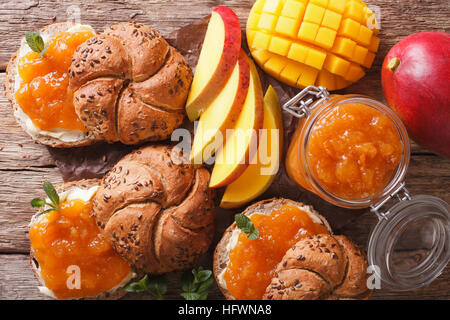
43	51
45	211
203	275
254	235
203	289
196	284
190	295
35	41
37	203
187	280
158	286
51	193
246	225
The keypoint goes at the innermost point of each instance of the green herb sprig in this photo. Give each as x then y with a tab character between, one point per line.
50	190
35	42
196	284
157	286
246	225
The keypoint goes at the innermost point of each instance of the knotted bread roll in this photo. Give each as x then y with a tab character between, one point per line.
320	267
156	209
129	84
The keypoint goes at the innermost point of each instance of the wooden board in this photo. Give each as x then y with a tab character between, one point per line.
24	164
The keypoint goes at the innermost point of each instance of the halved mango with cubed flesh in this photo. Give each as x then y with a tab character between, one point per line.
222	113
264	167
313	42
219	54
241	142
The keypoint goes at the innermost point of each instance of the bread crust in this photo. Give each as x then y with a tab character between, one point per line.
157	212
154	84
10	79
220	260
34	263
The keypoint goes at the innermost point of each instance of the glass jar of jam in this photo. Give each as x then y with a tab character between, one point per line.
353	152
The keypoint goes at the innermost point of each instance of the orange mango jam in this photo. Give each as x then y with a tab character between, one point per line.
70	237
354	151
44	93
252	262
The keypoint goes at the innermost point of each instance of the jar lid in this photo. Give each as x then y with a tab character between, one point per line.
410	245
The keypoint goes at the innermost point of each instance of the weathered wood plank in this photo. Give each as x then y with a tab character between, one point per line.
18	282
17	189
17	150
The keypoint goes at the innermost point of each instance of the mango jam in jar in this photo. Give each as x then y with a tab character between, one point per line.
350	150
353	152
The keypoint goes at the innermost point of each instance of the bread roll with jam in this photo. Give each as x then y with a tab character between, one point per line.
295	256
68	238
30	96
156	209
129	84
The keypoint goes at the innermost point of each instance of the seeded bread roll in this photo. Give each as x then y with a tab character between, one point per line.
11	83
156	209
320	267
129	84
114	293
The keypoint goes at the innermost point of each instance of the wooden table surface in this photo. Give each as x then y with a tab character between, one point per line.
24	165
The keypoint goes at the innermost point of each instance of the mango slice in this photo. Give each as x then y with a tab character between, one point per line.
263	169
327	43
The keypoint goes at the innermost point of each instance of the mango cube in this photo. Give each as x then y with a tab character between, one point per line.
374	43
359	54
326	79
273	6
291	73
355	11
321	3
315	58
368	61
308	31
267	21
298	52
336	65
354	73
331	20
258	6
308	75
365	35
314	14
313	42
279	46
344	47
287	26
325	37
293	9
349	28
261	56
261	41
275	64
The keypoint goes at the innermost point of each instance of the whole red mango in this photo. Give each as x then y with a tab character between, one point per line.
416	83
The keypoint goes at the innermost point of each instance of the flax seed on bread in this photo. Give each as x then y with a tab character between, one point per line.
129	84
156	210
